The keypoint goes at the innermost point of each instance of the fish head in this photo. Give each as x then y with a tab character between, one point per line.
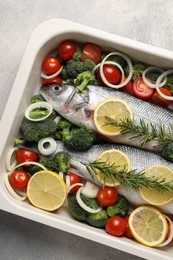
57	94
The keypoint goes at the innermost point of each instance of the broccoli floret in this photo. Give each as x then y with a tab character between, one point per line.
64	124
137	70
63	73
63	128
58	162
63	160
33	131
83	79
33	169
37	98
121	207
167	151
88	65
77	55
92	203
74	67
79	139
97	219
76	210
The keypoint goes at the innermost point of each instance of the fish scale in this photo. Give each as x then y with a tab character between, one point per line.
78	108
139	159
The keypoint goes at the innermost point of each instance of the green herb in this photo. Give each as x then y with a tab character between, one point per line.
129	179
147	131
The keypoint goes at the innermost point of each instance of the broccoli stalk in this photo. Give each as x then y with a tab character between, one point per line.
121	207
83	79
38	113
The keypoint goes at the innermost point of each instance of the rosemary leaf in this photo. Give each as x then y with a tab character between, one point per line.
147	131
129	179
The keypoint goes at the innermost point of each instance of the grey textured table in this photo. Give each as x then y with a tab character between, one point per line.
149	21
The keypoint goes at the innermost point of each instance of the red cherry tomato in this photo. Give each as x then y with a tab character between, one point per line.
74	178
107	196
128	232
18	179
111	73
55	80
25	155
168	234
50	65
91	51
128	88
115	226
141	90
158	100
66	50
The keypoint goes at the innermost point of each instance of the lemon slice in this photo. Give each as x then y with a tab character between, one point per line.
148	226
120	159
114	108
153	196
46	190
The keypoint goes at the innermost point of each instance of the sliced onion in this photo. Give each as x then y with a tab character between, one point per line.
30	163
19	196
57	119
43	104
47	146
158	82
67	182
147	82
10	165
166	242
112	63
122	84
70	187
43	75
90	190
61	174
83	205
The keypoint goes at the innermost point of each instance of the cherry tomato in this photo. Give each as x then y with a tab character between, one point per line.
158	100
18	179
107	196
168	234
25	155
128	232
115	226
128	88
91	51
74	178
50	65
55	80
141	90
66	50
111	73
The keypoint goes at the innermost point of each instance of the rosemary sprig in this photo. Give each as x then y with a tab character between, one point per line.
129	179
147	131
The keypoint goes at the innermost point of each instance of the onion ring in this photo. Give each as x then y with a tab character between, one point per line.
43	75
122	84
147	82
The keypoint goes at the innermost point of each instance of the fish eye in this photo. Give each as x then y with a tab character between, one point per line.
57	88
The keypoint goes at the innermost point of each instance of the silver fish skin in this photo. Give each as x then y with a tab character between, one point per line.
78	108
140	160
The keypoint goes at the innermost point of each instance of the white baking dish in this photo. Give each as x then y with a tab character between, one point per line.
44	39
